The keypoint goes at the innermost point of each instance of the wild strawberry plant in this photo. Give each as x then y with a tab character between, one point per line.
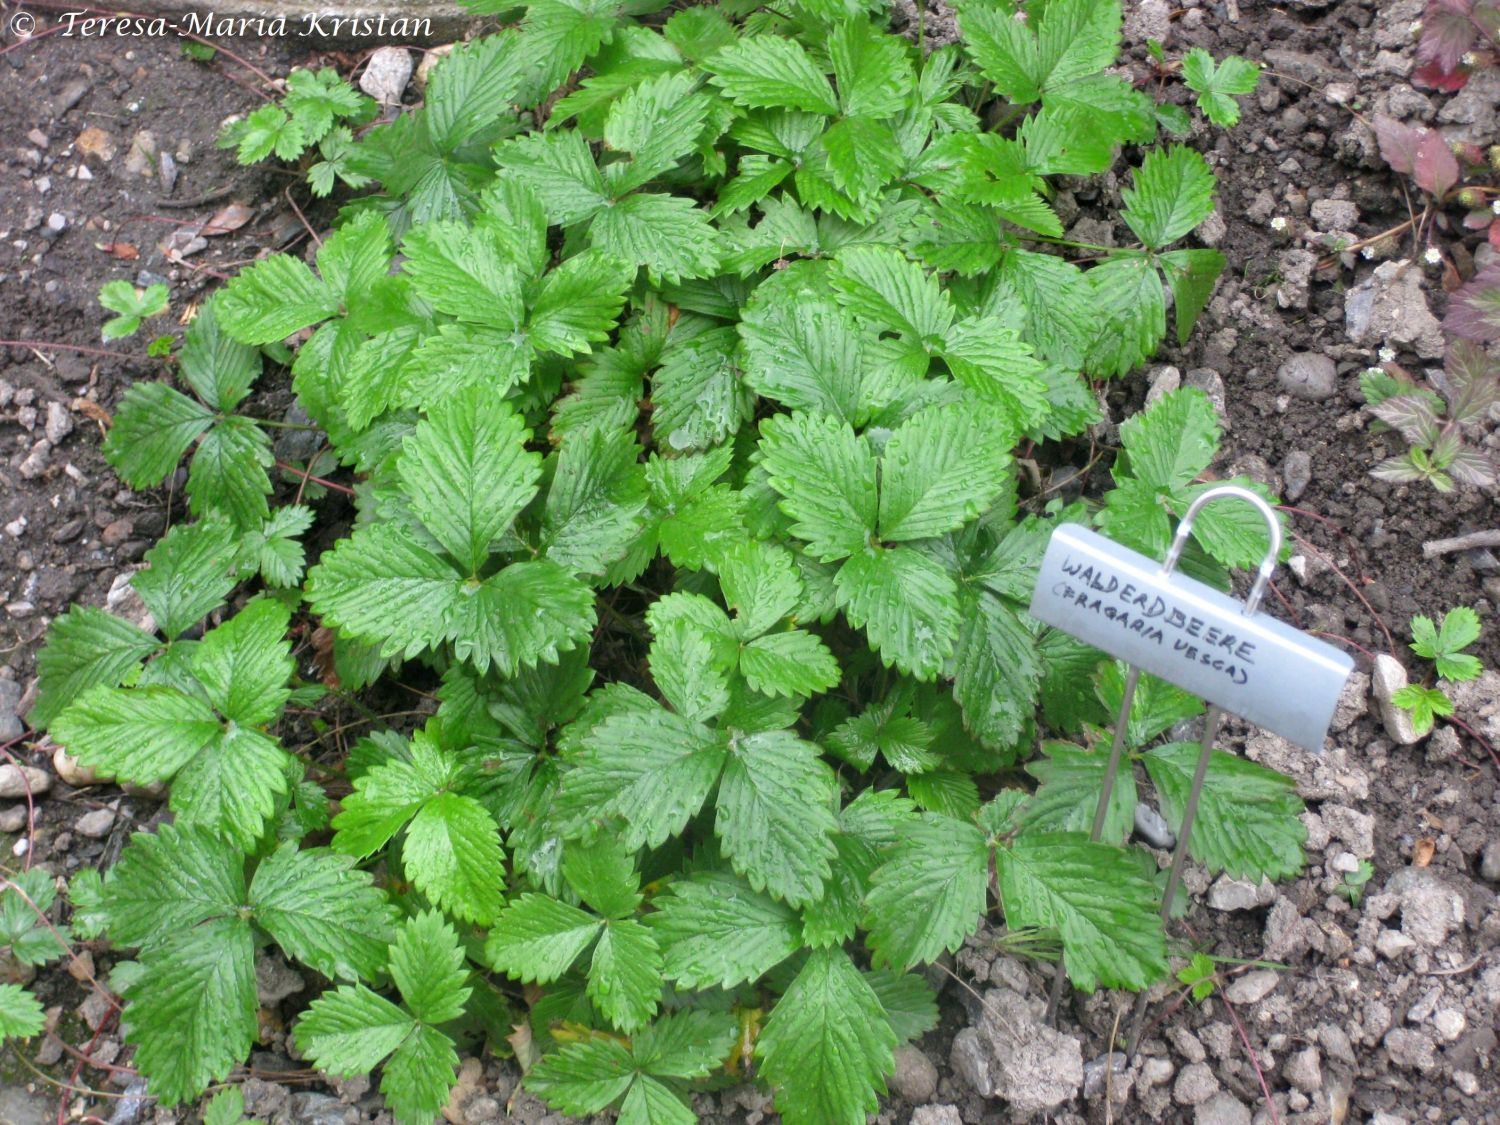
679	366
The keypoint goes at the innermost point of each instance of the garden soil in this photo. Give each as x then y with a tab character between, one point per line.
1384	1012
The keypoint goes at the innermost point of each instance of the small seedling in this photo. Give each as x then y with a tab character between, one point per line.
1353	886
1436	423
1444	647
134	305
1201	975
1217	83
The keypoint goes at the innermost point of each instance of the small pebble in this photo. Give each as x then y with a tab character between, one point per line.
95	824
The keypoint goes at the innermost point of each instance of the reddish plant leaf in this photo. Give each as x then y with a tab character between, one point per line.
1436	168
1434	77
1447	32
1474	311
1487	15
1398	143
1495	234
1478	220
1471	381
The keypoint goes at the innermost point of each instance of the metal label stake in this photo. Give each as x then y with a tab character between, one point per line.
1205	642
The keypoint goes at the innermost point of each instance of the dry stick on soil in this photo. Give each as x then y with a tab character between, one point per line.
1475	540
1364	601
48	344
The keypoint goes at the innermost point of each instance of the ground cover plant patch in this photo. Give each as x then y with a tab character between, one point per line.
677	367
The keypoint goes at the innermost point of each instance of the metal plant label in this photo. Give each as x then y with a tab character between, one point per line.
1177	628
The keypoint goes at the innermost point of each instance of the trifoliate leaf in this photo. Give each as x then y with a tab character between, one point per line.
906	603
768	71
245	663
21	1014
884	287
579	302
653	768
794	663
227	1107
24	932
537	938
1056	298
1070	780
452	853
427	964
1445	646
827	1045
863	155
561	35
191	1014
323	911
871	68
1129	311
231	786
1214	83
188	574
273	549
559	168
1249	817
465	272
272	299
1073	40
530	612
228	475
672	238
595	504
658	123
940	469
717	932
625	979
316	98
1173	193
775	814
825	474
153	427
468	472
1103	907
930	893
996	672
86	647
134	305
419	1076
683	667
805	354
349	1030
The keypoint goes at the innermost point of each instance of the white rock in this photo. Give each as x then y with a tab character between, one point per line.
71	770
387	74
1388	678
59	422
15	781
1252	987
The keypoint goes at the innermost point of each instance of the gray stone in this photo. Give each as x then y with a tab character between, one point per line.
915	1078
1387	678
1354	828
1295	267
936	1115
307	1108
1296	474
12	818
1105	1072
1032	1066
132	1107
95	824
1335	214
971	1062
386	75
1430	908
1471	112
1354	701
59	422
1211	383
1238	894
1489	862
1152	827
1392	944
1449	1023
1222	1109
1413	1050
1304	1070
275	980
1253	987
10	710
1389	307
1212	230
1309	375
16	781
1195	1085
1164	380
71	770
1148	19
